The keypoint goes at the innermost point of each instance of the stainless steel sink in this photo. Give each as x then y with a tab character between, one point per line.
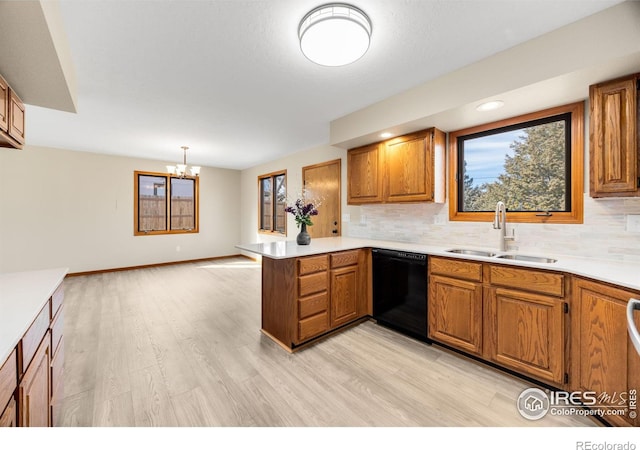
537	259
462	251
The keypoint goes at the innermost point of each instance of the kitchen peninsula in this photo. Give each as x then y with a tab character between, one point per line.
571	310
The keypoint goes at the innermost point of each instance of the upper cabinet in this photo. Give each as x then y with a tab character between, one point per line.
614	160
408	168
12	117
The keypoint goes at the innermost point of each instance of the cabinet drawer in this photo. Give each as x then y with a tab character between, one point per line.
310	284
312	264
56	300
313	326
33	337
309	306
8	379
8	418
343	259
56	329
465	270
528	280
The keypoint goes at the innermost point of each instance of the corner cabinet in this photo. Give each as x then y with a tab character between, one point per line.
603	358
12	117
615	120
407	168
308	297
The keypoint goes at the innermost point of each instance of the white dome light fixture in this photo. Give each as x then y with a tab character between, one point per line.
335	34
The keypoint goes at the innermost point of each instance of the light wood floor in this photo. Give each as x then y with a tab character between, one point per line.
180	346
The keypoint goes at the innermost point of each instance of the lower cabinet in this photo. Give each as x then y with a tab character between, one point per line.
8	417
455	313
603	358
329	290
525	332
34	392
510	316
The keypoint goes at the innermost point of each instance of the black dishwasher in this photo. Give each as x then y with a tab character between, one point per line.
400	291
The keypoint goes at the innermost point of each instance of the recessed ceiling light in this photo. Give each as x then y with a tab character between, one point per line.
385	135
334	34
490	106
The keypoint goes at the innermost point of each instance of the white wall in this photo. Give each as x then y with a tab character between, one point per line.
293	164
61	208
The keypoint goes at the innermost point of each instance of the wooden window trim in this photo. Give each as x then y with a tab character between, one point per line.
168	177
271	232
576	215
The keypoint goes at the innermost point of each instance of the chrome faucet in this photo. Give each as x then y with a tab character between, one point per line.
500	223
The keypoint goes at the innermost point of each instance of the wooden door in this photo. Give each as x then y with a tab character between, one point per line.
35	388
603	357
409	168
455	313
16	117
344	295
364	174
8	417
526	332
614	152
322	182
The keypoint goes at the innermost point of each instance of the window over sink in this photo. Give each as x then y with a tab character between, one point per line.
533	163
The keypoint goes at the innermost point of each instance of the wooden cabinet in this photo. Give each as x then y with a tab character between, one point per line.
12	117
614	147
513	317
525	332
408	168
31	379
8	385
327	292
364	174
603	358
455	303
34	392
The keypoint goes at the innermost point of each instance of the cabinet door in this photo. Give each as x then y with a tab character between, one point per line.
603	357
409	168
364	175
344	295
614	152
455	313
35	388
4	105
16	117
8	417
525	332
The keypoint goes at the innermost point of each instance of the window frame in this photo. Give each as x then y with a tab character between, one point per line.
273	229
576	171
168	177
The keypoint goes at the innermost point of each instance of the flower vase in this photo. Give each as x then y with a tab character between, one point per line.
303	237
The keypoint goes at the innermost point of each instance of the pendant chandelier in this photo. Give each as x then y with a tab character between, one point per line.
335	34
180	170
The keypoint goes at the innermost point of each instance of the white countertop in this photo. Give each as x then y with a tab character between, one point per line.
22	296
624	274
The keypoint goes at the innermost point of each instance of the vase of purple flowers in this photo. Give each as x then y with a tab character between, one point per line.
302	212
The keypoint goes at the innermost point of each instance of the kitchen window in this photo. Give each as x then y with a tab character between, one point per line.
533	163
164	204
272	188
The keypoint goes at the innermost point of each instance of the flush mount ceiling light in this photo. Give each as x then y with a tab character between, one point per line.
490	106
385	135
180	170
335	34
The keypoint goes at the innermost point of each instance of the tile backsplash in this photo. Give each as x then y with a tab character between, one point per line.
603	233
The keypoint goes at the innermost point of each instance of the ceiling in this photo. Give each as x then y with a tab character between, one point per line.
227	78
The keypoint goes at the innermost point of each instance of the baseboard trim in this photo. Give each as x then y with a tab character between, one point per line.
147	266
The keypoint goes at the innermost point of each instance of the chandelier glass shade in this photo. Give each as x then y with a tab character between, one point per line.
334	34
180	170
